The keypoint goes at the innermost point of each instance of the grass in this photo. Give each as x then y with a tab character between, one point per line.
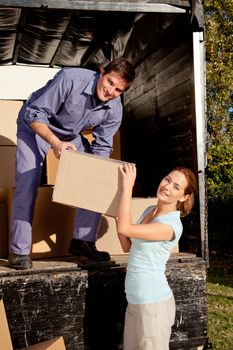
220	304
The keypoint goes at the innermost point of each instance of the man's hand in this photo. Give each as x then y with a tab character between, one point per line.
58	148
57	145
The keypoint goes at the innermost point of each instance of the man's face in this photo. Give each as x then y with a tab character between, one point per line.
110	85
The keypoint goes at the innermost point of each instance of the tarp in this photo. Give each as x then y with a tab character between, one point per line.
78	33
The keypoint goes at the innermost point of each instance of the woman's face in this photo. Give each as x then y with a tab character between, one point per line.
172	188
110	85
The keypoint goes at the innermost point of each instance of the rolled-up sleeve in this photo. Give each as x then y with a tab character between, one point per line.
42	107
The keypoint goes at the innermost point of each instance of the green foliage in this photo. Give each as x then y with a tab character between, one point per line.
219	72
220	222
220	169
220	198
219	77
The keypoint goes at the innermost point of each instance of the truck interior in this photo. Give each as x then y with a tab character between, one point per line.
163	126
159	128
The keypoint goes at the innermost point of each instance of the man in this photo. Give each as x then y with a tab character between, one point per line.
54	116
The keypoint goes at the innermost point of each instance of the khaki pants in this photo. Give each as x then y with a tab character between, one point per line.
148	326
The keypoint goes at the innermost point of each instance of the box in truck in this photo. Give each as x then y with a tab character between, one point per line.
5	338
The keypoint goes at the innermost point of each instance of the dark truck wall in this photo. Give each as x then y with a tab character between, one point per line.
158	129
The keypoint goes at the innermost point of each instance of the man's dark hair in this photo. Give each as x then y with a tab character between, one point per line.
123	67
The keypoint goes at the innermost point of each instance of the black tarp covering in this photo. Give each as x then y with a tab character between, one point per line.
69	37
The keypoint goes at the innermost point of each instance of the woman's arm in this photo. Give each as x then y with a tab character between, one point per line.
125	243
128	176
154	231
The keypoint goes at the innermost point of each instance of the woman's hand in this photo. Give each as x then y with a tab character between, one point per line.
128	175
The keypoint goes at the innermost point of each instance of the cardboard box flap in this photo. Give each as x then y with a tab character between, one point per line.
53	344
107	235
88	181
5	338
52	225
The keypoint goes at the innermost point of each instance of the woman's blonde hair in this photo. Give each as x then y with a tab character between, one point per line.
191	189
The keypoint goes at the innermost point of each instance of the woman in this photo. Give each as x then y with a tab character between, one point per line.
151	307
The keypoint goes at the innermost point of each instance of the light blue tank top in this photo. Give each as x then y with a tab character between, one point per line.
146	281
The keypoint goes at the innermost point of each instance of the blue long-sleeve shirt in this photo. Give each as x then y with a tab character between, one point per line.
67	104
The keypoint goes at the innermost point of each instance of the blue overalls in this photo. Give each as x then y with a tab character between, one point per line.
67	104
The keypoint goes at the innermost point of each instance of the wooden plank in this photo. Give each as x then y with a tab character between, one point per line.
178	91
164	58
174	65
178	36
178	104
173	81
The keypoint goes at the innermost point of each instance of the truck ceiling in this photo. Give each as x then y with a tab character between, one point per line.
56	33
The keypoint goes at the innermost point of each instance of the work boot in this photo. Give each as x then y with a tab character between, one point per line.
87	249
20	262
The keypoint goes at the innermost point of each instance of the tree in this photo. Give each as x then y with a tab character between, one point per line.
219	72
220	203
219	78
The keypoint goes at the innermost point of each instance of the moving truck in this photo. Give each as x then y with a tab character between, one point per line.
164	122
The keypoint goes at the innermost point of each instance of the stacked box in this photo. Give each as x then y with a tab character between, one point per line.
5	338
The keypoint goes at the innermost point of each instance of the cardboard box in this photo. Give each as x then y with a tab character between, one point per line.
8	115
52	344
116	153
7	164
88	181
3	224
52	225
3	231
5	338
107	236
51	167
91	182
52	162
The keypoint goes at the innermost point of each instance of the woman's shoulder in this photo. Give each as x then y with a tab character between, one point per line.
173	219
148	209
145	212
173	216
